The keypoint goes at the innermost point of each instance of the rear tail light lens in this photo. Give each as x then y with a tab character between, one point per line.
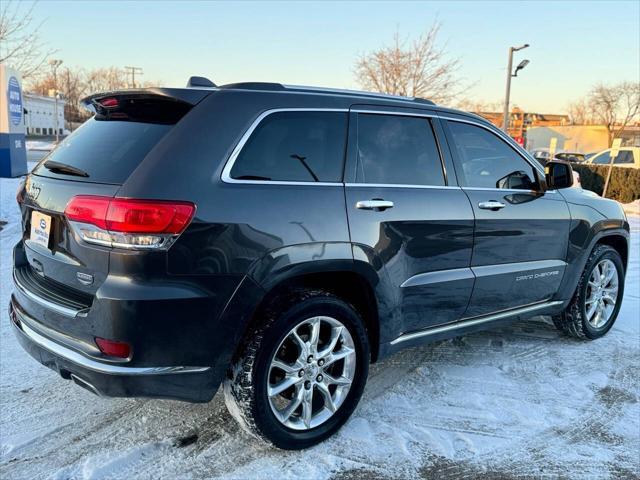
128	223
113	348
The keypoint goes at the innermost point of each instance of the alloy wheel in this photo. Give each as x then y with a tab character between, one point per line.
602	293
311	373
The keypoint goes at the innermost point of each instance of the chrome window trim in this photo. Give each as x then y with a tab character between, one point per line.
397	114
401	185
226	171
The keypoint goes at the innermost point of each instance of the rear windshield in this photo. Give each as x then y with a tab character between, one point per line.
107	151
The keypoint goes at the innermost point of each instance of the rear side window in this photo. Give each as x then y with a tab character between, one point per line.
296	147
106	150
625	156
397	150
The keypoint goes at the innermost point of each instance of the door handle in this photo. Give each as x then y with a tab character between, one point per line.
491	205
375	204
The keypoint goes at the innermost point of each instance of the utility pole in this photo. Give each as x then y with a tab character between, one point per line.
54	66
132	71
505	119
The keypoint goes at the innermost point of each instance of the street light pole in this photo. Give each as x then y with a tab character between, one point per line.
54	65
505	118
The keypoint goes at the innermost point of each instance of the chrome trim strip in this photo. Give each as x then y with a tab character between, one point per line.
355	93
83	383
226	171
516	267
439	276
62	310
508	190
93	365
398	185
397	114
475	321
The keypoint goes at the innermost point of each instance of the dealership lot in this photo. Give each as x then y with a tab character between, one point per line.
520	400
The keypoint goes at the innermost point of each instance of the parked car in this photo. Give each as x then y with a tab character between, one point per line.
543	155
628	157
278	239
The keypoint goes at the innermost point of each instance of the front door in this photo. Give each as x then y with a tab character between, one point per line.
521	234
405	220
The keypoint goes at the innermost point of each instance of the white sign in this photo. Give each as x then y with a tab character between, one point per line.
552	147
615	147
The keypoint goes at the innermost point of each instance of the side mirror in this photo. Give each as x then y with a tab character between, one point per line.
558	174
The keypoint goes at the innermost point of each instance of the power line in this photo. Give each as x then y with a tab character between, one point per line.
133	71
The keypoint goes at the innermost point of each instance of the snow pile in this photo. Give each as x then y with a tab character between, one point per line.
40	145
515	401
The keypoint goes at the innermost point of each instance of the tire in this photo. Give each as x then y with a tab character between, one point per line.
575	321
253	373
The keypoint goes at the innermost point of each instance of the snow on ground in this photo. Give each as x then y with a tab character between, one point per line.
40	145
511	402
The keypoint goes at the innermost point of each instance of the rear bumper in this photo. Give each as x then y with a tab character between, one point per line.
188	383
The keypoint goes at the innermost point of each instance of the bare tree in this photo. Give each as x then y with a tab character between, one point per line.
419	69
580	112
615	106
105	79
20	44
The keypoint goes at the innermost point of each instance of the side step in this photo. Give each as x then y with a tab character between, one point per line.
475	321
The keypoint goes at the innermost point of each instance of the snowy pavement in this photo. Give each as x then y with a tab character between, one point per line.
519	401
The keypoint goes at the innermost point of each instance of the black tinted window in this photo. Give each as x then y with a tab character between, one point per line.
487	161
625	156
108	151
397	150
295	146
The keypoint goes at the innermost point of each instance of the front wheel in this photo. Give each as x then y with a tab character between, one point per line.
596	303
302	370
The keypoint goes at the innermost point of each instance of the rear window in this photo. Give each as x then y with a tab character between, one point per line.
108	147
107	150
295	146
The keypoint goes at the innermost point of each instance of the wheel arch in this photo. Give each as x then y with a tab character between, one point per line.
351	280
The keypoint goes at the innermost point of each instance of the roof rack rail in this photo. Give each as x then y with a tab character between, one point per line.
275	87
268	86
359	93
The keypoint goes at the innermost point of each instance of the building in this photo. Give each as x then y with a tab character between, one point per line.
579	138
40	115
520	121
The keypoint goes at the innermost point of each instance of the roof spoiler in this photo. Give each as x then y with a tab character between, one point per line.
184	95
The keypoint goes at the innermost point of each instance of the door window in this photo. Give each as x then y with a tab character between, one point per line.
603	159
487	161
625	156
397	150
295	146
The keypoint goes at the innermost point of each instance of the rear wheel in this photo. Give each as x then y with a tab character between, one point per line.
596	303
302	370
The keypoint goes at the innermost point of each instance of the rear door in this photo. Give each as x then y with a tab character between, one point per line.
408	218
521	235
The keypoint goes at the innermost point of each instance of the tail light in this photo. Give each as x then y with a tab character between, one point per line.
113	348
128	223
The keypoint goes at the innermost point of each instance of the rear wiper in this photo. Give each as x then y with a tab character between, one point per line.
302	159
57	167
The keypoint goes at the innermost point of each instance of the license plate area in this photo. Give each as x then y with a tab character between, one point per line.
40	228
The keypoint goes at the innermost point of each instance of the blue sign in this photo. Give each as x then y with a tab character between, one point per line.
14	95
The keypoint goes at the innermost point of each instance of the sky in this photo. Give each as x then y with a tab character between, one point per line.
574	44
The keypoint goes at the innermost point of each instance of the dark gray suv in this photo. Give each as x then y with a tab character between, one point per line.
279	239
